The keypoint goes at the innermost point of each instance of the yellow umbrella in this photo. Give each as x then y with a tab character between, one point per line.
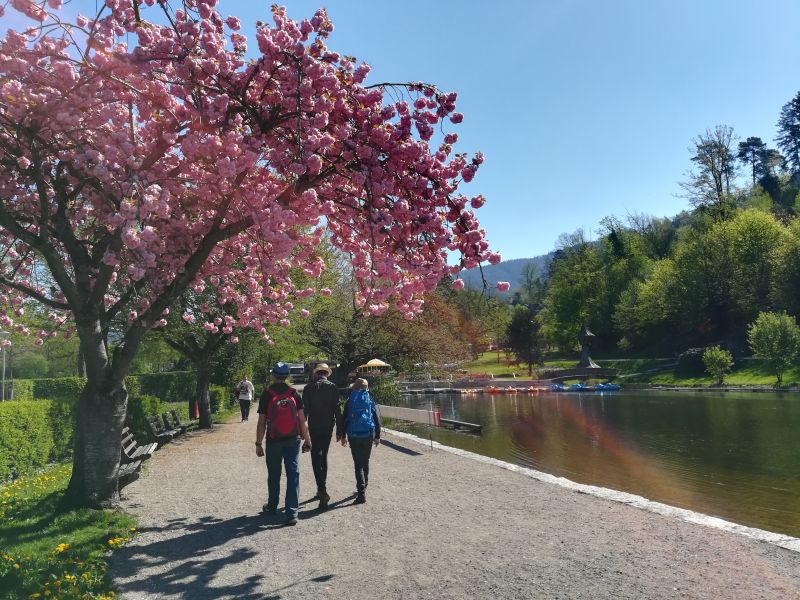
375	362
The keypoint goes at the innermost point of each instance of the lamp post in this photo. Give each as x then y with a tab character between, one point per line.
4	335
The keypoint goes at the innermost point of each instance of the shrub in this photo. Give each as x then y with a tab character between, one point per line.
384	389
718	363
63	419
22	389
775	337
58	387
133	386
26	440
177	386
690	363
139	409
220	398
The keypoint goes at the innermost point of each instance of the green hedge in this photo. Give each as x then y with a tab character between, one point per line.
176	386
23	389
26	437
139	409
63	418
170	387
58	387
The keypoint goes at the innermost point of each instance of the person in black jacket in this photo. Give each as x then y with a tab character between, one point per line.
321	404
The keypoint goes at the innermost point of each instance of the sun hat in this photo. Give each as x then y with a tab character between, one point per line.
281	369
323	367
359	384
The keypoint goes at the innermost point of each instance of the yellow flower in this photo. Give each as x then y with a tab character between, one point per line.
61	548
16	565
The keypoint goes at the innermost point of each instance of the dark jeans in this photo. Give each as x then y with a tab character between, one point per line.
361	448
288	453
244	405
320	442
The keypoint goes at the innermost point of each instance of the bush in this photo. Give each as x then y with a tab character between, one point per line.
63	419
139	409
775	337
220	398
133	386
22	389
26	439
177	386
384	390
718	363
58	387
690	363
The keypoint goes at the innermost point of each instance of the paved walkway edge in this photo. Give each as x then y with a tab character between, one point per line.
778	539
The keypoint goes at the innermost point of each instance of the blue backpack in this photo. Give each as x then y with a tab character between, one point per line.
359	416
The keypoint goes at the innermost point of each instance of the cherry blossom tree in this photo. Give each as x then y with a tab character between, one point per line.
142	153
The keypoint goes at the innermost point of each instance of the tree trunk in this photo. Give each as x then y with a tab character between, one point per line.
202	395
100	419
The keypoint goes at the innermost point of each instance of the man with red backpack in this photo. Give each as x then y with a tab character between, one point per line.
280	416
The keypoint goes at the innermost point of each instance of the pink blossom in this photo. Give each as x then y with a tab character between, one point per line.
325	291
503	286
234	340
458	284
23	163
304	313
456	117
477	201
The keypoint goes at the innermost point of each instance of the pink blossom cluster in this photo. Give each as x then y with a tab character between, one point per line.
156	156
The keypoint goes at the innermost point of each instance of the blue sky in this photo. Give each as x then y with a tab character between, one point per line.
582	108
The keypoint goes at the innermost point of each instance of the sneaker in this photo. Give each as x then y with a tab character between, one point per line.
291	521
360	499
267	510
324	498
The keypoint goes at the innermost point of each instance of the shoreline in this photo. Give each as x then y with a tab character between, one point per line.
778	539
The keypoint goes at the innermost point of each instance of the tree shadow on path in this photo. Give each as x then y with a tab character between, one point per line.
187	566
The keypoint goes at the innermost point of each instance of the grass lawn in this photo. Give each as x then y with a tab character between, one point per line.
45	553
488	363
750	372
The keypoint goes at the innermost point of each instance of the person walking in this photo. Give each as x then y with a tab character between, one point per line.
361	423
321	406
245	392
281	418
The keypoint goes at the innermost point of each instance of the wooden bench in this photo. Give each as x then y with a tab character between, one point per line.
128	472
176	421
131	451
159	434
169	425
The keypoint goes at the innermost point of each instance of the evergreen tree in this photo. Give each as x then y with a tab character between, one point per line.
789	132
751	152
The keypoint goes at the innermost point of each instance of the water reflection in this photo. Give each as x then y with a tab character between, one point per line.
736	456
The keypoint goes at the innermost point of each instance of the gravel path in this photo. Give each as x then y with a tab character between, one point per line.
435	525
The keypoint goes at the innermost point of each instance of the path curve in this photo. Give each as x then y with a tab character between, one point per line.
436	525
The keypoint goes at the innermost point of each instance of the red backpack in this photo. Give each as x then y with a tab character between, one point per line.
282	422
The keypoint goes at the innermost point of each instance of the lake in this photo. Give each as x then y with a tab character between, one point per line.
727	454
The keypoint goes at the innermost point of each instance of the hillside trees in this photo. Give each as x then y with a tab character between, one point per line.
133	173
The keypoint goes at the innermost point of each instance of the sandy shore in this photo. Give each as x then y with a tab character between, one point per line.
436	525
